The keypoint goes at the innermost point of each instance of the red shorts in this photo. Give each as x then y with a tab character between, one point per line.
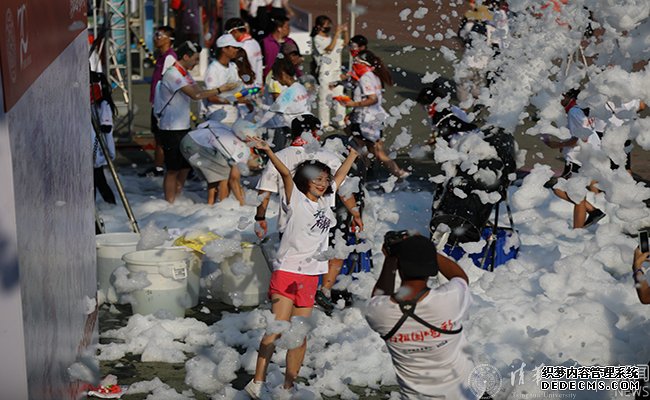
299	288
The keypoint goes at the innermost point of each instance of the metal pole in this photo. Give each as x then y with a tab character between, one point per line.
129	67
353	16
339	15
116	178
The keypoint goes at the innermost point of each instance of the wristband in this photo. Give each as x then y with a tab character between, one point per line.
258	218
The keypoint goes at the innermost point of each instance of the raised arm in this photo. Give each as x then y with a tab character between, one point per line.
449	269
343	170
284	172
196	93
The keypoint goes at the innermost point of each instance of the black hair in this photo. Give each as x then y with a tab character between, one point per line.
235	23
244	68
301	178
379	68
169	31
187	48
283	65
572	93
318	24
359	40
304	123
107	92
277	22
439	89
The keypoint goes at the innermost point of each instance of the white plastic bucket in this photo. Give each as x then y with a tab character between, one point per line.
110	249
193	272
167	270
249	289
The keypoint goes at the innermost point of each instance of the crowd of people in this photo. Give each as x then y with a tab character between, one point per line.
257	106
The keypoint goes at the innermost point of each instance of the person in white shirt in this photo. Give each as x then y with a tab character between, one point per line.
103	109
421	325
368	117
292	101
172	100
308	197
221	71
327	57
299	151
583	132
239	30
218	153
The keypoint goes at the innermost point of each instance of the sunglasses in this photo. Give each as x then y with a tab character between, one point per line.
159	35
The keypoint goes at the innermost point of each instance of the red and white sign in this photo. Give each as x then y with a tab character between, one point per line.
35	33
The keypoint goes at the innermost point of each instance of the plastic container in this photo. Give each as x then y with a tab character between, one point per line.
167	270
193	272
248	289
110	249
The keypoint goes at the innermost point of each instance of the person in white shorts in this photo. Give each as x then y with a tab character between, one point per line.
368	117
218	153
327	57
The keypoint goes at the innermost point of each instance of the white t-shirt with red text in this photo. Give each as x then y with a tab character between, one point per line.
426	362
372	118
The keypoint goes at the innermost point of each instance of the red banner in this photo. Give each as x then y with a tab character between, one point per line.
35	33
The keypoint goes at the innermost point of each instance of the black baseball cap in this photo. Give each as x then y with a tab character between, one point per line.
416	257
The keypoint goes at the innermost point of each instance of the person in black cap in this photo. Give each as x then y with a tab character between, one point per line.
421	325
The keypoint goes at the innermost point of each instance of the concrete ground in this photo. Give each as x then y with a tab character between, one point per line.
135	148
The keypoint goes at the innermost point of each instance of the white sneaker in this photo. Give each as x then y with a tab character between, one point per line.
257	390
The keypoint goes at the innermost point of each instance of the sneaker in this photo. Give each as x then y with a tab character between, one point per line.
403	175
324	302
594	217
257	390
106	392
153	171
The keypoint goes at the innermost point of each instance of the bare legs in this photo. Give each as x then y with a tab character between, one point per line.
173	183
283	309
333	268
581	209
377	150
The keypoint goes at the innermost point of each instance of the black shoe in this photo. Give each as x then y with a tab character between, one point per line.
594	217
324	302
153	171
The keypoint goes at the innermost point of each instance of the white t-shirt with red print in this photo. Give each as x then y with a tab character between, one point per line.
372	118
171	102
427	363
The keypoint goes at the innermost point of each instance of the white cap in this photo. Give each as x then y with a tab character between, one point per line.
227	40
